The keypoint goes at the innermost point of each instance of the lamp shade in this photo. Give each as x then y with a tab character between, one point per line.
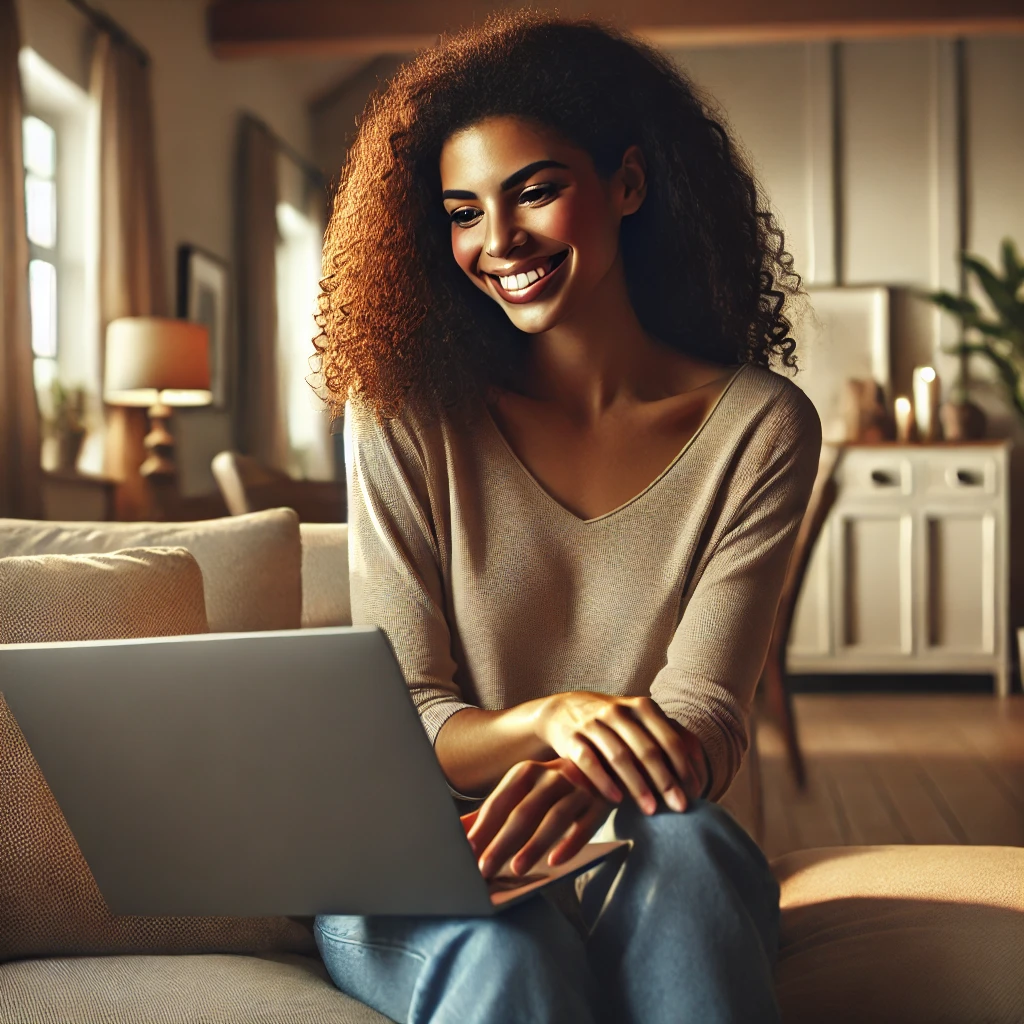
152	360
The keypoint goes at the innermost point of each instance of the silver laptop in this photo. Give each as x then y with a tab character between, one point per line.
249	774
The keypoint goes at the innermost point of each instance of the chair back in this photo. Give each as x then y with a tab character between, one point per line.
247	485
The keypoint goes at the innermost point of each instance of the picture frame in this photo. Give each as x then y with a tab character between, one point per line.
204	296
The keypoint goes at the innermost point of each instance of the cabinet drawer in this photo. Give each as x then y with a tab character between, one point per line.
959	473
875	473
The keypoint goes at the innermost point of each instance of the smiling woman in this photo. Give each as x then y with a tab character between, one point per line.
704	260
551	296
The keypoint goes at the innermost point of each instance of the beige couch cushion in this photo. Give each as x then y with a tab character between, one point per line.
902	934
251	564
175	990
325	593
138	592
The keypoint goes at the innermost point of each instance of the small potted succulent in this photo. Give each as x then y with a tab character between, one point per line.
67	424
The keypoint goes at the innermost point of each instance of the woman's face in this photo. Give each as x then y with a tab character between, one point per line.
532	223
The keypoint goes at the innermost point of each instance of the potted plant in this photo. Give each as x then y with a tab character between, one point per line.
997	337
67	424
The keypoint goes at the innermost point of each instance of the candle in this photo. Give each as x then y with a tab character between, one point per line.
926	403
904	420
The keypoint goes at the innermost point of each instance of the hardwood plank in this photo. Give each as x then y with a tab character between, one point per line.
869	815
987	816
910	794
895	768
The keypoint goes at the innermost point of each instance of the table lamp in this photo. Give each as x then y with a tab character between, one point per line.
160	364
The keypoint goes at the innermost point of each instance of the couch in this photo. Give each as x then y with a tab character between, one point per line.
869	934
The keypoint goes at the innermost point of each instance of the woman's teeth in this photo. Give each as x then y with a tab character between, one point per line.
520	282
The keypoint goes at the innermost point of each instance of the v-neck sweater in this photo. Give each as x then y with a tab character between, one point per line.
492	593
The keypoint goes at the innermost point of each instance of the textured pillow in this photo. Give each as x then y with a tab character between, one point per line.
325	591
251	564
50	904
138	592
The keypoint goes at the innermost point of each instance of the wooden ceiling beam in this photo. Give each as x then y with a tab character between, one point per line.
247	28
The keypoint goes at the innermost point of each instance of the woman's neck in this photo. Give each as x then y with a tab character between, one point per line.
601	355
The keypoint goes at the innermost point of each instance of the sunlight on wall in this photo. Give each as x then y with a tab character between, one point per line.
298	276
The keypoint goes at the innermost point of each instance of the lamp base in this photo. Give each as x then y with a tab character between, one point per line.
159	443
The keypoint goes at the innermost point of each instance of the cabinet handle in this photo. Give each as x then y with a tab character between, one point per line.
968	478
884	478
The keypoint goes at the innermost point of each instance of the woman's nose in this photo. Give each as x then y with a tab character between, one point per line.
503	238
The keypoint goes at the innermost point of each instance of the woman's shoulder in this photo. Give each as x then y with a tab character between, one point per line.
777	402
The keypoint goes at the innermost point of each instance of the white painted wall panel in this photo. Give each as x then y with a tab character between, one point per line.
762	92
886	166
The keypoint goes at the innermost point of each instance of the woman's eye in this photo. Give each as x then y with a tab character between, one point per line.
537	193
464	216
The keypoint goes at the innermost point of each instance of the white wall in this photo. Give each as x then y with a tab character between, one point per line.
197	101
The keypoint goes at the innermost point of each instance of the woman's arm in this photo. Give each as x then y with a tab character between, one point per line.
616	742
717	653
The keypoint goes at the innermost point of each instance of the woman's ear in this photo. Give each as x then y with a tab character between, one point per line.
633	175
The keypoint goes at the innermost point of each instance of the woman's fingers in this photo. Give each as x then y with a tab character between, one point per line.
613	747
553	826
681	748
590	765
517	783
522	823
579	834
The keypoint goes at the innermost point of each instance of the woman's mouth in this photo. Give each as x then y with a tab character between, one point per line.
519	288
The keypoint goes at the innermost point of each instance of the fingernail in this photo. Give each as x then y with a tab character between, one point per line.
649	805
485	865
674	800
616	796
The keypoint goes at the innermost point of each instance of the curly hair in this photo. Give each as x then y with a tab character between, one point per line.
705	260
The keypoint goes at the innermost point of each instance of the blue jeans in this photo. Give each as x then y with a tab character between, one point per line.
685	931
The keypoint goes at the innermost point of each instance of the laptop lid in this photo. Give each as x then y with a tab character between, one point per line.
245	774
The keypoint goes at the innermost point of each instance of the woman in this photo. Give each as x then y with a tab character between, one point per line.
552	292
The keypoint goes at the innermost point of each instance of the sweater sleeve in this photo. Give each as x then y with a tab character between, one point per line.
718	650
394	559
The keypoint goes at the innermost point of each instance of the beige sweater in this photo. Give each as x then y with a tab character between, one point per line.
492	593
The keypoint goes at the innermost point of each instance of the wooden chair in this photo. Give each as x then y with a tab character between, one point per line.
249	486
774	688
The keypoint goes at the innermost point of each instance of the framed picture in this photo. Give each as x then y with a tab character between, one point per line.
203	297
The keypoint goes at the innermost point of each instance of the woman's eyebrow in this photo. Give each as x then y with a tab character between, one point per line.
510	182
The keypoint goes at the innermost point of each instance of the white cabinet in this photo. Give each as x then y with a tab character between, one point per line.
910	573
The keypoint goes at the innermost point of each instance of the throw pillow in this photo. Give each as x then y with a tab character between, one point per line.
251	564
138	592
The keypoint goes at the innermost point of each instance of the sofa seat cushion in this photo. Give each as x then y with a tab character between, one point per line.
325	590
134	593
208	989
251	564
907	934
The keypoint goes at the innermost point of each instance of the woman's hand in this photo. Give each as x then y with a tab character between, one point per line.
538	806
625	741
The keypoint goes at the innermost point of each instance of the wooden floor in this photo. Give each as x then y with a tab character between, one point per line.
894	769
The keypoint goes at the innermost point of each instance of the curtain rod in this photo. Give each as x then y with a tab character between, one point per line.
105	23
311	170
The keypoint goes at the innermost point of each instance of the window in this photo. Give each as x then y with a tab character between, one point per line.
39	141
60	155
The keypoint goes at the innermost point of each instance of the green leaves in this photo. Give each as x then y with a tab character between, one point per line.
1001	339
